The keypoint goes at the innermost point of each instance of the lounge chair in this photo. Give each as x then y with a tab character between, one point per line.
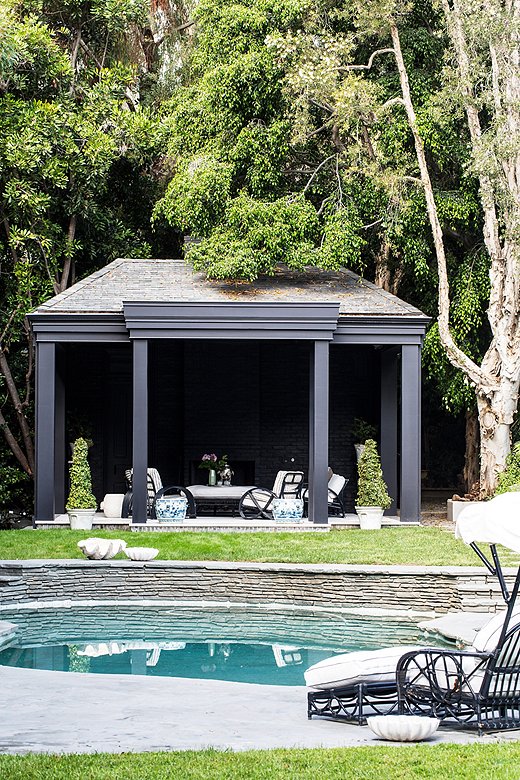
478	688
155	490
335	488
256	502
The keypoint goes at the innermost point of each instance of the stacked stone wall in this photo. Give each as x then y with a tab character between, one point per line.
423	590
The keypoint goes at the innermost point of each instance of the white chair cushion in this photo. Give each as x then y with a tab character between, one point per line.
262	496
358	666
336	483
487	637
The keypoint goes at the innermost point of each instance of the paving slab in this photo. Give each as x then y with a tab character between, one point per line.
460	626
63	712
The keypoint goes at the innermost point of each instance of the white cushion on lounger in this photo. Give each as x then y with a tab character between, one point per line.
486	638
358	666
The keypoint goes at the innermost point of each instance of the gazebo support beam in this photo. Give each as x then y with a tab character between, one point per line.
410	433
45	430
389	423
319	432
140	430
59	436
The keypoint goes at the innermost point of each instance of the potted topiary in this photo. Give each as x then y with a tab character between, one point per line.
361	431
81	504
372	498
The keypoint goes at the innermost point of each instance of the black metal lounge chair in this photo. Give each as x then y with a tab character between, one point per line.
155	490
355	702
475	689
257	502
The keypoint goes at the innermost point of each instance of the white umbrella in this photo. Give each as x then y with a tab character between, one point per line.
495	522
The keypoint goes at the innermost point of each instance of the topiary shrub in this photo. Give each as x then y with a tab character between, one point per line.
372	490
80	496
509	479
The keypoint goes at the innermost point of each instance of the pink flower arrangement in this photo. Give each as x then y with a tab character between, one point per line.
209	461
212	461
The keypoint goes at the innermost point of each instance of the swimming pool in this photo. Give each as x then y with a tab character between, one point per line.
269	645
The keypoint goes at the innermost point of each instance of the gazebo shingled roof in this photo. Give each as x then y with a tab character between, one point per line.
126	279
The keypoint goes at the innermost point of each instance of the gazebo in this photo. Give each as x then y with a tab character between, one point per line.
159	365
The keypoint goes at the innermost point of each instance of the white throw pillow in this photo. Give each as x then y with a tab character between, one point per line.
359	666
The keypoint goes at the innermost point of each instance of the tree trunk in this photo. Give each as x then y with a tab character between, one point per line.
496	381
471	457
496	415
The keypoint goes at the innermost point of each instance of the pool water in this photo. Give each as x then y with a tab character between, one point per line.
270	646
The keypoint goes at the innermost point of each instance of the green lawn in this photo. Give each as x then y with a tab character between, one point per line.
424	546
435	762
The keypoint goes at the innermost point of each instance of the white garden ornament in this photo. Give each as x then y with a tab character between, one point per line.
141	553
101	549
403	728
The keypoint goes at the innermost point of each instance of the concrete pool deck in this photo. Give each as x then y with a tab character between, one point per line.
63	712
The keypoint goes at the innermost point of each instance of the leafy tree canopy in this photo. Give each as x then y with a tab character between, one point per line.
74	142
275	124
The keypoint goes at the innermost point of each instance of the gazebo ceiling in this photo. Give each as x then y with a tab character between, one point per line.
126	280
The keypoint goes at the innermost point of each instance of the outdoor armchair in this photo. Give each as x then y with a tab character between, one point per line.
257	502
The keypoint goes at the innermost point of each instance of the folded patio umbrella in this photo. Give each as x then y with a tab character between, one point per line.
495	522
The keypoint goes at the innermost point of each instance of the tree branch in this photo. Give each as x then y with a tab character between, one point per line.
7	228
14	446
73	60
30	364
369	63
71	232
323	106
396	101
457	357
320	166
18	407
491	227
338	177
8	323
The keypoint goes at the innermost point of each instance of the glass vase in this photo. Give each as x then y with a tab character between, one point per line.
212	477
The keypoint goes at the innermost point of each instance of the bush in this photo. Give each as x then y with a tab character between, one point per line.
80	496
509	479
372	490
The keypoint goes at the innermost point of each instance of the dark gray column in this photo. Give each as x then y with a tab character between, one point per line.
410	433
45	424
389	424
319	432
59	438
140	430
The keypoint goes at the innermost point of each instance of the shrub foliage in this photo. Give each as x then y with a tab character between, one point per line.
372	490
80	496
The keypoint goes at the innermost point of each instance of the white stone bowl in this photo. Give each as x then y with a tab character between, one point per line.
403	728
101	549
141	553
